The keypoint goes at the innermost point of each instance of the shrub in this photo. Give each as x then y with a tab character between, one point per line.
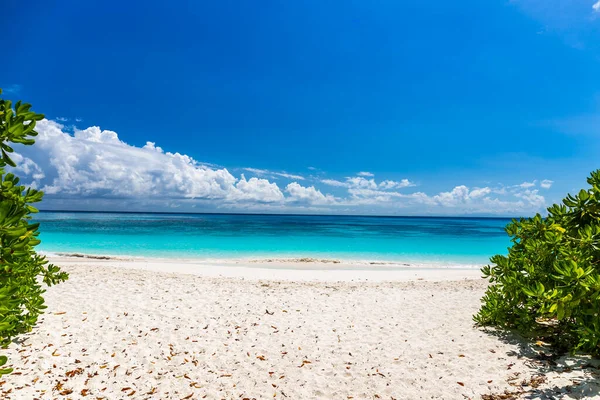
549	284
21	269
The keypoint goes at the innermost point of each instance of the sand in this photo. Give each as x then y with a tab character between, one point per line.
123	329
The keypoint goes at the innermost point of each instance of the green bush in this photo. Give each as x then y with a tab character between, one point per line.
21	269
548	286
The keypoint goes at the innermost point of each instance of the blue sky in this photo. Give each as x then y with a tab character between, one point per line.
462	108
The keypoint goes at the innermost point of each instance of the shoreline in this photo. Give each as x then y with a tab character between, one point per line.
280	257
279	269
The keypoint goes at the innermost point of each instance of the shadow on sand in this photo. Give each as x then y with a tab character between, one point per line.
553	376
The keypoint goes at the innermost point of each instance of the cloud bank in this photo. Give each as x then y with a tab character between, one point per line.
95	168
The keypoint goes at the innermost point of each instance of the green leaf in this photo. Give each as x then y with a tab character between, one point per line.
7	159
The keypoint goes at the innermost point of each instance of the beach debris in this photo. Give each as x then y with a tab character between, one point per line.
74	372
130	390
270	313
90	256
534	382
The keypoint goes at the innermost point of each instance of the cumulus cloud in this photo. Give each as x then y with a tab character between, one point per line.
94	166
363	191
29	168
478	200
526	185
96	163
458	195
310	195
461	195
361	182
533	198
479	192
596	6
396	185
362	196
367	174
333	182
256	190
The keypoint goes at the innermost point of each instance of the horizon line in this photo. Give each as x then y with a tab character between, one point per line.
281	214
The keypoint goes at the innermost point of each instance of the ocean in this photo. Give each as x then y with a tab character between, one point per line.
452	241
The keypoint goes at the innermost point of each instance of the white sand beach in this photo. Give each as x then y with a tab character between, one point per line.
152	329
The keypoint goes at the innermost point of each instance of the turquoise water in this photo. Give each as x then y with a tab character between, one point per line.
408	239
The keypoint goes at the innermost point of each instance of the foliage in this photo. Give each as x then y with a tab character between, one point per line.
21	268
549	284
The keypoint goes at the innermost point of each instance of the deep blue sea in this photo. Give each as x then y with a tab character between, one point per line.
406	239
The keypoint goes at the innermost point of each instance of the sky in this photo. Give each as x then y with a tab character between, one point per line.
334	107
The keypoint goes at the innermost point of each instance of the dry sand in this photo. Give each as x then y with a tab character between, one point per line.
125	330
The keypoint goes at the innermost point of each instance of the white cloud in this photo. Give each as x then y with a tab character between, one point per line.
532	198
256	171
367	174
94	166
477	200
596	6
333	182
395	185
96	163
62	119
526	185
547	183
11	89
458	195
361	182
29	168
479	192
273	173
257	190
289	176
461	199
310	195
363	196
